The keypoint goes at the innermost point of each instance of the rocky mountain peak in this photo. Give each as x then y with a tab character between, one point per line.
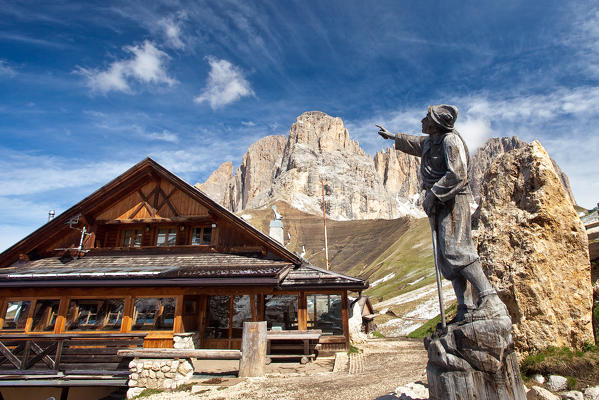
326	132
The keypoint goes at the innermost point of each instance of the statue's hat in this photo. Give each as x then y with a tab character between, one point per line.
444	115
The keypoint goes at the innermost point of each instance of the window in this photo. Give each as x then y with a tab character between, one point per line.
154	314
16	314
281	312
95	315
217	326
166	237
44	315
201	235
132	238
242	312
226	315
324	312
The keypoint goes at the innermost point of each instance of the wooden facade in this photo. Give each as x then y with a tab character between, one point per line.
148	253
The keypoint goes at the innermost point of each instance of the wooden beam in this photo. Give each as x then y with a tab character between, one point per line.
345	318
157	191
203	354
196	219
10	356
165	199
178	322
61	318
134	213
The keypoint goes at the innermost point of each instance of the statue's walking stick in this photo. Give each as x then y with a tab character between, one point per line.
438	273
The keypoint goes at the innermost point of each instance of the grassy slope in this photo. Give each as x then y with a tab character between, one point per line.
409	257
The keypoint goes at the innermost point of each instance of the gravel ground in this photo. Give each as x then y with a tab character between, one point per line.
384	365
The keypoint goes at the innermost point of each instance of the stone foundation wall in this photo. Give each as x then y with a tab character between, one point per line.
159	373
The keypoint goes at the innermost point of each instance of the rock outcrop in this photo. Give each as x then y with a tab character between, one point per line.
217	183
534	250
319	148
495	147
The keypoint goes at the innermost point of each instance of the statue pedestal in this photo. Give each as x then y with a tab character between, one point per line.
474	360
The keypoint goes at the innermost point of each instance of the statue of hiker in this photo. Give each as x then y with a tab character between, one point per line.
444	169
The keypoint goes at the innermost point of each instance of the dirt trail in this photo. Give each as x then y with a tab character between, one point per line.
384	365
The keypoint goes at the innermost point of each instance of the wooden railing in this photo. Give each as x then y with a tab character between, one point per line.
69	354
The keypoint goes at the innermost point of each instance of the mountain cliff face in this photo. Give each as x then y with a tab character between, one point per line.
318	148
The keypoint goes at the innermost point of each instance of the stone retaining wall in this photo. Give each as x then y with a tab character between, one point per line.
159	373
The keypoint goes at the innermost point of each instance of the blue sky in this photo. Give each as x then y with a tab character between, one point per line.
87	89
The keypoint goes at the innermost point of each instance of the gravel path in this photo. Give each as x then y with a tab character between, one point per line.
384	365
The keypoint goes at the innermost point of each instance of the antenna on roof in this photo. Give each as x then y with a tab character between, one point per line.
74	220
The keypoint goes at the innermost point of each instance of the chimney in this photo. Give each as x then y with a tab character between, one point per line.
50	215
276	227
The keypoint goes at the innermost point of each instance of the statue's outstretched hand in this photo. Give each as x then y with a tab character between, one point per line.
385	133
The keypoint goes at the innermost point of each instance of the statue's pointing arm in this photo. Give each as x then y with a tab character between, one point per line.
410	144
456	176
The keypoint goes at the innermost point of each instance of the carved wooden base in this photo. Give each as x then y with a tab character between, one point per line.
474	360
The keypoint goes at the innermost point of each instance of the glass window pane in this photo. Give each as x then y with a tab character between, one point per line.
201	235
281	312
324	313
154	314
95	315
16	314
207	235
44	315
217	324
132	238
242	312
166	237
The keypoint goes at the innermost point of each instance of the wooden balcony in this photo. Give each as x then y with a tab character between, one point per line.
31	359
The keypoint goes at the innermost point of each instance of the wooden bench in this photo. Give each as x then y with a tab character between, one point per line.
66	356
292	344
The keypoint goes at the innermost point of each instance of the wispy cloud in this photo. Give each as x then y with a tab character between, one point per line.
147	66
16	37
226	84
6	70
165	136
172	30
248	123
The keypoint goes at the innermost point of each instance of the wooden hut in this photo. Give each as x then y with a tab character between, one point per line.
148	253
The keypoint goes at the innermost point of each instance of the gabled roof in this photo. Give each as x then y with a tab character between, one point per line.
139	173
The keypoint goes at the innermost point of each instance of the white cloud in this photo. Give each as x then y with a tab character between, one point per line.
6	70
147	65
172	30
475	131
226	84
165	136
248	123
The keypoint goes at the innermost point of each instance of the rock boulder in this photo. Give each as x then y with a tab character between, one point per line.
534	250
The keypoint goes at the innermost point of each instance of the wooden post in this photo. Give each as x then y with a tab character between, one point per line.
324	218
253	349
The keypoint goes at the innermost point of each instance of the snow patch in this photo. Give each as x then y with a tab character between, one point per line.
383	279
416	281
246	217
